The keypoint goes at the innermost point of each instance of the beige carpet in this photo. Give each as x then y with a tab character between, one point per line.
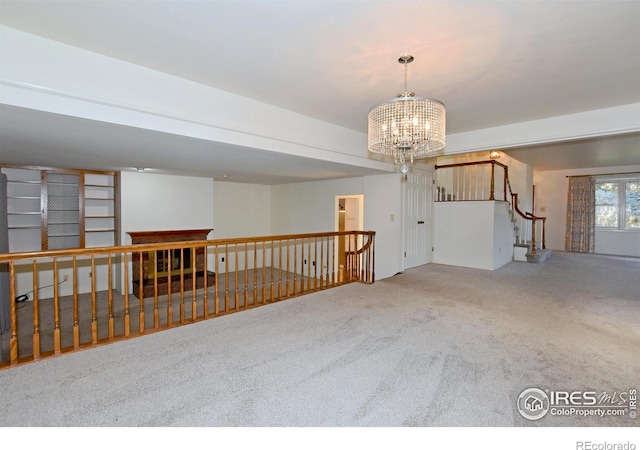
434	346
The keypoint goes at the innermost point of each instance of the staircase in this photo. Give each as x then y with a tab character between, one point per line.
479	180
522	250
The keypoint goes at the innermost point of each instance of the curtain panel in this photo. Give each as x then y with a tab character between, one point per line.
581	215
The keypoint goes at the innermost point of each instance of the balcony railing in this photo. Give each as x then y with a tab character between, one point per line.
67	300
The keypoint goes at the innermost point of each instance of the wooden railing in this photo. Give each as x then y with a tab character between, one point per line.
531	222
481	180
66	300
471	181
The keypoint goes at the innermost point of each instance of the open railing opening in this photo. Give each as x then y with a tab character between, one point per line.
489	180
66	300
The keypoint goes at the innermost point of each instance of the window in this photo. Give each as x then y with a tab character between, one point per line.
618	203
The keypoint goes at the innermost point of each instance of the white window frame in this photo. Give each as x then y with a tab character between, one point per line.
622	201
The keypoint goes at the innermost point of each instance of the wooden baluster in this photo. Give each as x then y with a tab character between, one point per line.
246	274
36	313
127	318
279	270
216	299
205	291
227	301
272	271
365	258
156	303
264	272
110	322
194	277
182	305
322	240
237	295
57	337
76	315
169	259
288	267
315	262
373	257
361	256
302	264
94	301
347	259
141	319
295	266
308	263
13	313
333	260
255	273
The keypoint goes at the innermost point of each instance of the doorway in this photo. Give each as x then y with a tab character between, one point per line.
349	216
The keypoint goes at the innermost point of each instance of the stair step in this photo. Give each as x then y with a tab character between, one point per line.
540	256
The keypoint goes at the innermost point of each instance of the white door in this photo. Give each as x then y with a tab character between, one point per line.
418	220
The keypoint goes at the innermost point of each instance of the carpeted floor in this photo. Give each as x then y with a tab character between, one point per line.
433	346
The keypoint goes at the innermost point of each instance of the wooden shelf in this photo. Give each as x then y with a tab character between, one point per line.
24	181
83	201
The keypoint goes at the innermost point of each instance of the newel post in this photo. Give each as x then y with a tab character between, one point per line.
533	235
493	179
506	178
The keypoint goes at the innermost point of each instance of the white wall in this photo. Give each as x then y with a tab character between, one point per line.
241	210
551	201
383	199
310	207
164	202
472	234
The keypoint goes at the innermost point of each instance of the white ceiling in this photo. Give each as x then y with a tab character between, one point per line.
491	62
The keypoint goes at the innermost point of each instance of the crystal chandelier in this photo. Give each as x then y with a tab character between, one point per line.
407	127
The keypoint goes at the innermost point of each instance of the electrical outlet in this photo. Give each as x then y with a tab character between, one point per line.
222	259
65	278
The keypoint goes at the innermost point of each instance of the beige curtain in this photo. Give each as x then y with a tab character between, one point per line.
581	215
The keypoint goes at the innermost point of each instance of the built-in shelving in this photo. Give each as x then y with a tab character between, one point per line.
49	208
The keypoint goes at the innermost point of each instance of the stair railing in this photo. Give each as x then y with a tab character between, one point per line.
478	180
534	221
471	181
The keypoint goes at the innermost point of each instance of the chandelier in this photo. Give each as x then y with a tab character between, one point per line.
407	127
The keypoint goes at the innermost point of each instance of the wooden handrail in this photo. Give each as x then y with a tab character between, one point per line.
470	163
94	309
507	190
